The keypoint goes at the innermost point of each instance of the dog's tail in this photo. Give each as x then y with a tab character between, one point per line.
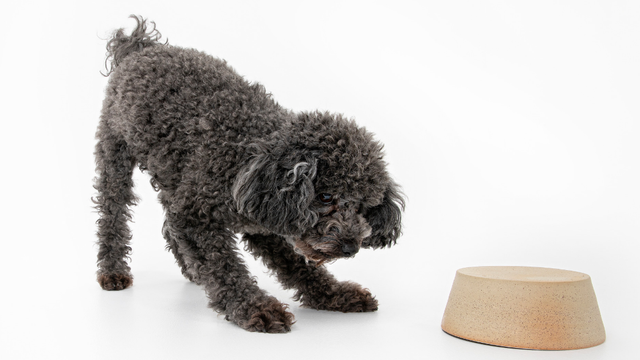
121	45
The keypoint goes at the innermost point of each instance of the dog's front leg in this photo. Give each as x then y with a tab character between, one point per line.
211	254
315	287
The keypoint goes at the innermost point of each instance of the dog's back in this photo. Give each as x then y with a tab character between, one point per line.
173	106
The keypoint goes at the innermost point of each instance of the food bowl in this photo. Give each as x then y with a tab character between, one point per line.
524	307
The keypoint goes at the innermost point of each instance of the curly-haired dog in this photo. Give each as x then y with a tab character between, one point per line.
303	188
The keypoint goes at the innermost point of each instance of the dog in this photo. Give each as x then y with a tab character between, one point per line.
303	189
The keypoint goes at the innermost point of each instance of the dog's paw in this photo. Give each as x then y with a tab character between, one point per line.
271	317
115	281
345	297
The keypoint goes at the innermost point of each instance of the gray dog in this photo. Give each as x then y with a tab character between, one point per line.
302	188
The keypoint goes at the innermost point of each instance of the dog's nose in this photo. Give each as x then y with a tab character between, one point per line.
349	249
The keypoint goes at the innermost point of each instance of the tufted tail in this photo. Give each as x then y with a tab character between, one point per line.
121	45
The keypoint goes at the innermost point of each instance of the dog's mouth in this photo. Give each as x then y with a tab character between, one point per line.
310	253
320	251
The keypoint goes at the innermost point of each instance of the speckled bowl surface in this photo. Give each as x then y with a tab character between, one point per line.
524	307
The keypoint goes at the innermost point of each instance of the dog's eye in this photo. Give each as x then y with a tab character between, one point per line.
325	198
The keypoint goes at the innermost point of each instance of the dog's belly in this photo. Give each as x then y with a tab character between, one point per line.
255	229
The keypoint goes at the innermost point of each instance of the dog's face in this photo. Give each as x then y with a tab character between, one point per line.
339	232
324	187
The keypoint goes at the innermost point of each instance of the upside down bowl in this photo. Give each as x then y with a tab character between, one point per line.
524	307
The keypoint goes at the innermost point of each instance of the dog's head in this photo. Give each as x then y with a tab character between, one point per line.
322	185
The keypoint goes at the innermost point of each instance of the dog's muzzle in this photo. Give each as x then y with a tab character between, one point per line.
324	249
335	236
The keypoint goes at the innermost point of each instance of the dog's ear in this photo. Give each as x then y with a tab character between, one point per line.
385	219
275	190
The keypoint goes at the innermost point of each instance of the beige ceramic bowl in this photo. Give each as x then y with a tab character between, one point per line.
524	307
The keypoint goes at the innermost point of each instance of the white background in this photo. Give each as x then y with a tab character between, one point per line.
512	126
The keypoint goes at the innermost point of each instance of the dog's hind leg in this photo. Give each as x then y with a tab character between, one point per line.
173	243
315	287
173	239
114	166
211	256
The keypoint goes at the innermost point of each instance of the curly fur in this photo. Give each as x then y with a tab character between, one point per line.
225	158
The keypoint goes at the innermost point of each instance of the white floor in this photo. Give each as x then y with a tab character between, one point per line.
58	311
163	316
